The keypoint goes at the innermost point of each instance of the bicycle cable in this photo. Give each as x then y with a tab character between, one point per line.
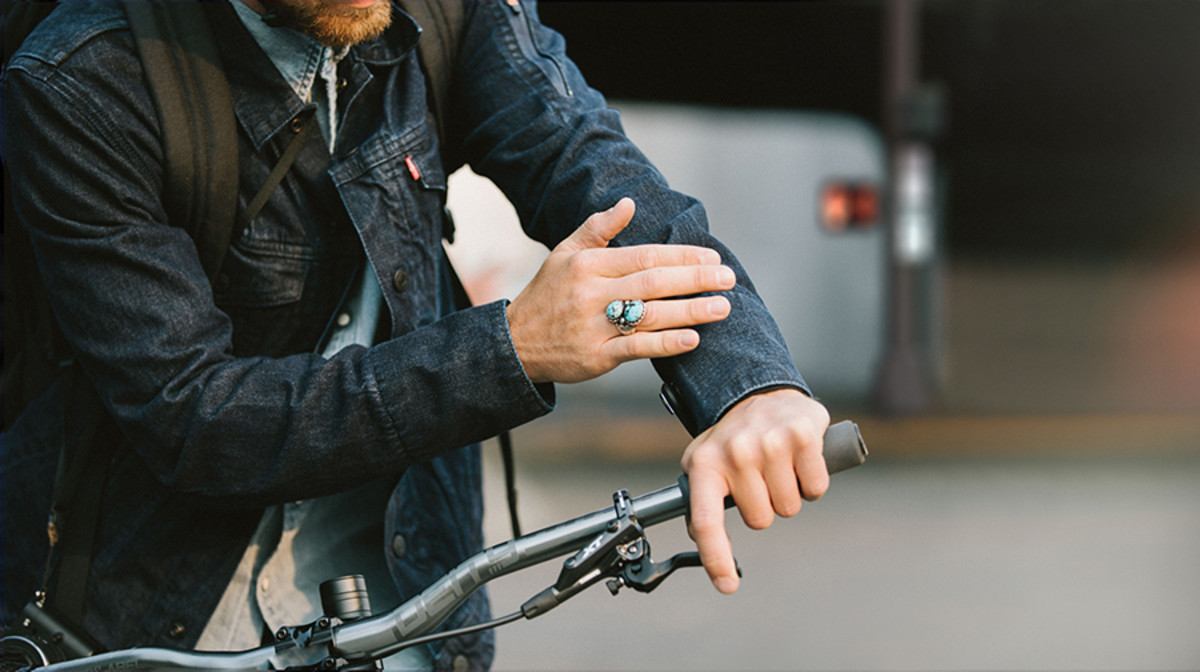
396	648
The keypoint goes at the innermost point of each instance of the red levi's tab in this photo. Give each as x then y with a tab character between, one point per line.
412	167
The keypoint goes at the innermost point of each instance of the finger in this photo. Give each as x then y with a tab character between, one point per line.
779	473
679	313
622	261
707	527
669	281
650	344
811	469
753	499
597	230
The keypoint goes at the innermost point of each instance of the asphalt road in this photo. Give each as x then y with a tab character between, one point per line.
1041	560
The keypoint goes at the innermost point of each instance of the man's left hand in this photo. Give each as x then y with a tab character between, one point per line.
767	453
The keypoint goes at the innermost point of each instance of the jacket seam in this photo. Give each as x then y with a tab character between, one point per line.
73	97
379	405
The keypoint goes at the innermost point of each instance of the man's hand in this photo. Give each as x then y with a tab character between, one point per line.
757	452
558	324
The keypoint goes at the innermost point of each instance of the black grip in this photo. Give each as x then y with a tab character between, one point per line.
844	449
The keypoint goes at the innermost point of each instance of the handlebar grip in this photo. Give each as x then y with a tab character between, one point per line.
844	449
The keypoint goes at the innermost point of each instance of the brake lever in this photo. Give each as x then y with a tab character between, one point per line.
645	575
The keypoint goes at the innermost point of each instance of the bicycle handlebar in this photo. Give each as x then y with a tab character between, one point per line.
368	638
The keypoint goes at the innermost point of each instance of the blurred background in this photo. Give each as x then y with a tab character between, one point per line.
978	224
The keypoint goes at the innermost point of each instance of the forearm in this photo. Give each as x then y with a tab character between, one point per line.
566	157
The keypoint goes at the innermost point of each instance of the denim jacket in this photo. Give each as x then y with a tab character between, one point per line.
223	404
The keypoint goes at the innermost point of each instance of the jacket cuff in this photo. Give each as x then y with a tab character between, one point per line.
455	382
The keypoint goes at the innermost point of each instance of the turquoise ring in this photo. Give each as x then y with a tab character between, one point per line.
626	314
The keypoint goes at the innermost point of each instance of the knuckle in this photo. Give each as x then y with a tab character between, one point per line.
777	445
648	282
789	505
704	458
704	256
818	488
712	277
639	348
757	518
706	520
743	453
645	257
583	262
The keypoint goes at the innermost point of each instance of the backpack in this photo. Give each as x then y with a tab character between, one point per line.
191	96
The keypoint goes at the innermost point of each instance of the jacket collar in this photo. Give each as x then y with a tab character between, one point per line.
264	102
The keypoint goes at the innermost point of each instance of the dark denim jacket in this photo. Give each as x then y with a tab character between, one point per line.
223	404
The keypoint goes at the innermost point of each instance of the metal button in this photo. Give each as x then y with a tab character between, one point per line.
400	280
176	630
399	545
296	124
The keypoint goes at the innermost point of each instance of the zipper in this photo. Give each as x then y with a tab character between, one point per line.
527	38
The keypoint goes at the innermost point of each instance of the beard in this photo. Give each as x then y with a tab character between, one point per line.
332	23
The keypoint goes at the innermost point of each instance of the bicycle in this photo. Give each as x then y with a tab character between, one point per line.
608	544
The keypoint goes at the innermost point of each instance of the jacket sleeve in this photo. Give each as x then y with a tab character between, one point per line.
528	120
138	312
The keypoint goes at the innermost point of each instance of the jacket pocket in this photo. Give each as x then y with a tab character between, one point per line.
262	275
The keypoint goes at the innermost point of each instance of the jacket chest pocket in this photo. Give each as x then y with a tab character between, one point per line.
279	296
397	181
394	188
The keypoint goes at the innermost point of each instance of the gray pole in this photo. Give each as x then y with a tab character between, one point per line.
903	385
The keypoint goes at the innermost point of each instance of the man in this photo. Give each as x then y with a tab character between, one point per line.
325	370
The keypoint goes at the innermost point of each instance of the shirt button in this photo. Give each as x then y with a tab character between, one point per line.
400	280
264	585
176	630
399	545
461	664
343	320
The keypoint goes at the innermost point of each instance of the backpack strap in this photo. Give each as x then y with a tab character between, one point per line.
442	25
195	108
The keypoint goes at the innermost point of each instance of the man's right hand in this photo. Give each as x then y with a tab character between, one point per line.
558	323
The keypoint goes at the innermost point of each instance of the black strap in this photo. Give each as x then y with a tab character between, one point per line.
89	438
195	107
442	25
278	172
183	74
510	481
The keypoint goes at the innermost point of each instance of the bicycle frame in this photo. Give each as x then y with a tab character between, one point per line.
375	637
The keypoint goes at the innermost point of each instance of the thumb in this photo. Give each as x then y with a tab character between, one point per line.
600	228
